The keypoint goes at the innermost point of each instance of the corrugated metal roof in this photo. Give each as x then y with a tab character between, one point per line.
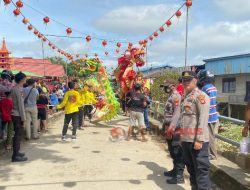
238	64
38	66
227	57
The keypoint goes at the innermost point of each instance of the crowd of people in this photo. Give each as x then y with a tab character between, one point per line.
25	104
190	124
190	117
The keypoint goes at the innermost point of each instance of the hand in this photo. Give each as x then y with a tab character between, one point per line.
198	145
244	131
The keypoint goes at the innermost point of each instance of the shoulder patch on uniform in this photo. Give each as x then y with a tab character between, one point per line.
202	99
176	101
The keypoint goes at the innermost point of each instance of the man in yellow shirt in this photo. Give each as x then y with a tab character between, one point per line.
71	103
89	100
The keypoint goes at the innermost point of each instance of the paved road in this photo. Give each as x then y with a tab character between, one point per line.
91	163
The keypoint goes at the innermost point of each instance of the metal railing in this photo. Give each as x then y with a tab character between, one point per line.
157	112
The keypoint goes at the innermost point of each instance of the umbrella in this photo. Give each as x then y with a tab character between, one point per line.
28	74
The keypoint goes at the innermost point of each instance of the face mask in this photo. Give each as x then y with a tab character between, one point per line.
167	90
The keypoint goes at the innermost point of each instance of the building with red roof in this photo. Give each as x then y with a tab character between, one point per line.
42	67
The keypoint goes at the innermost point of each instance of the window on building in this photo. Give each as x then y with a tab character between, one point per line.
228	85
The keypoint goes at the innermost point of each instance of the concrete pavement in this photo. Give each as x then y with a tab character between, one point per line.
92	162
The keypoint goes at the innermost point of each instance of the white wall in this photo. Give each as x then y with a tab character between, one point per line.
240	86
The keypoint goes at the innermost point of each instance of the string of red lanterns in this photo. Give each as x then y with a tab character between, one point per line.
168	23
25	21
19	4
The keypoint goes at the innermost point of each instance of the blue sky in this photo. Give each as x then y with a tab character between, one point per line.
217	28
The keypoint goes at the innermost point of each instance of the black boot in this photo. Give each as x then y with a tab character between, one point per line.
20	154
170	173
178	179
19	159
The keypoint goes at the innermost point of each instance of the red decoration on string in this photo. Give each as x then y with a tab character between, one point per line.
25	21
145	41
189	3
30	27
106	53
104	43
19	4
141	42
118	44
178	13
130	44
161	29
69	31
50	44
6	2
53	47
46	20
36	32
44	39
156	34
16	12
151	38
88	38
168	23
40	35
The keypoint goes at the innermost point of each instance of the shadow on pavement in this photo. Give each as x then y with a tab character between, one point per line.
158	177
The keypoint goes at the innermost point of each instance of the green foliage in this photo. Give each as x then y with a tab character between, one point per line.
71	68
157	93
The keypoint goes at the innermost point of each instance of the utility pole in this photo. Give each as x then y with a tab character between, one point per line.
186	45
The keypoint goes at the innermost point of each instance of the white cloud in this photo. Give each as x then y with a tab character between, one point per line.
235	8
219	39
135	20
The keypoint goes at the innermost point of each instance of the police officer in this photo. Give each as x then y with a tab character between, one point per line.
194	132
171	117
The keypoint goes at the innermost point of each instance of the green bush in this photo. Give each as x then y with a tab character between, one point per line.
157	93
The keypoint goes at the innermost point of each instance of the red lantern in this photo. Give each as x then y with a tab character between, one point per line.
30	27
69	31
141	42
104	43
130	44
46	20
118	44
189	3
19	4
168	23
156	34
36	32
53	47
151	38
6	2
44	39
145	41
50	44
16	12
162	29
25	21
106	53
88	38
178	13
40	35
